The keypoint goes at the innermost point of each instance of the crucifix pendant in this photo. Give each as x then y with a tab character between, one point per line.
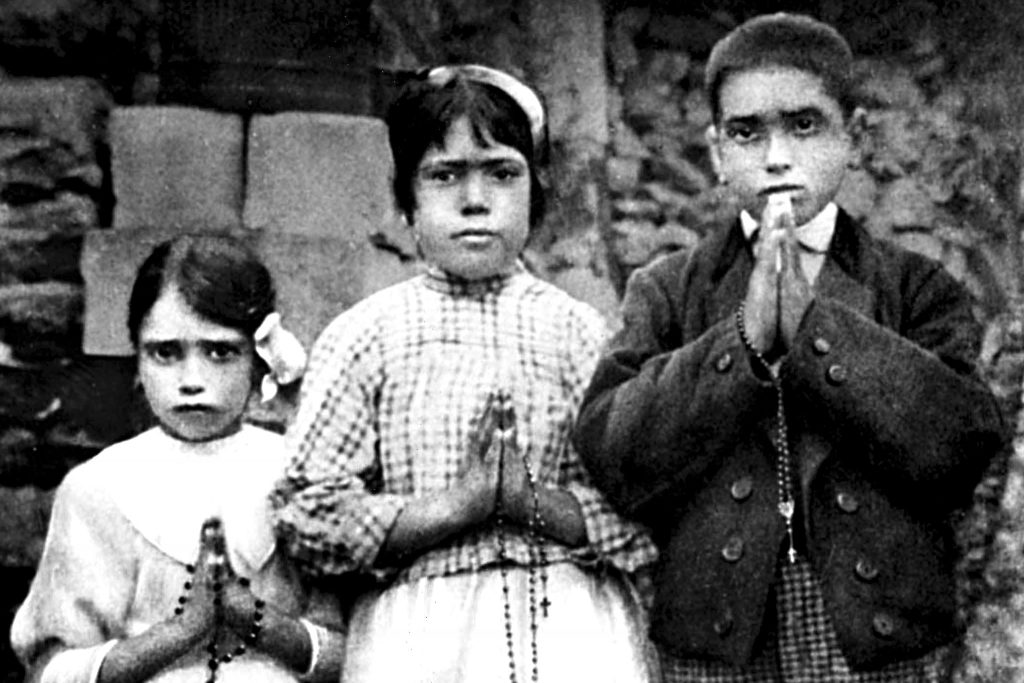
786	510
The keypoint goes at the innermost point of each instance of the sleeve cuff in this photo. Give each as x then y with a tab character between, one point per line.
80	665
315	641
326	652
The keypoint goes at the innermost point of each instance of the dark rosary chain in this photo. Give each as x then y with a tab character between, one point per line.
217	658
537	565
783	467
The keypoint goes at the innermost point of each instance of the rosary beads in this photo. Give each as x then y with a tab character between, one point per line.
537	566
218	658
784	460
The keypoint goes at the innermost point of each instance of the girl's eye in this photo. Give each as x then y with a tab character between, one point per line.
223	352
164	352
439	176
506	173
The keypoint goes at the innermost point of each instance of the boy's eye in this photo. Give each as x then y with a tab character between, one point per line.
741	133
806	125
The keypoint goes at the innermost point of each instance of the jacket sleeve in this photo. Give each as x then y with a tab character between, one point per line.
77	602
611	538
661	411
908	403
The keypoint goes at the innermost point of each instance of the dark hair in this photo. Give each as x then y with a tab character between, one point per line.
422	113
783	39
219	277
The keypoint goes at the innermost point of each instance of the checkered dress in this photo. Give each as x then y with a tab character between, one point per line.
394	390
805	649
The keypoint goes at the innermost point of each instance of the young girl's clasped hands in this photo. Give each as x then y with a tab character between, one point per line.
160	561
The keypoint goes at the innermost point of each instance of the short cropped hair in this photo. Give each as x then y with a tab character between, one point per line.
422	113
218	276
783	39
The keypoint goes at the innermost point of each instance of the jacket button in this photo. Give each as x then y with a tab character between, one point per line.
882	624
821	346
724	362
723	625
742	488
866	570
847	502
836	374
732	551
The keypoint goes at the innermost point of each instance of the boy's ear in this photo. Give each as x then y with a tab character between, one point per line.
856	128
711	135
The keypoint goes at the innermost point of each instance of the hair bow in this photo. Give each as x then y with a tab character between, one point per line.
282	352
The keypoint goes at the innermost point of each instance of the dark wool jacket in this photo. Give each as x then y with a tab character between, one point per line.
890	428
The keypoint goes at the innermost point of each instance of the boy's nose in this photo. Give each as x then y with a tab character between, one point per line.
778	155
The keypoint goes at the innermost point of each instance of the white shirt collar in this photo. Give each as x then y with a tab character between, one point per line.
815	234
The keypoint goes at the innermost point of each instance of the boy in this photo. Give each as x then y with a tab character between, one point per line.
794	411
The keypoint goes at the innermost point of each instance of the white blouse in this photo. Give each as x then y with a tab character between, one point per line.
123	527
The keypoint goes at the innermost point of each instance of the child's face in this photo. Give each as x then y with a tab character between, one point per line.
780	131
197	374
472	213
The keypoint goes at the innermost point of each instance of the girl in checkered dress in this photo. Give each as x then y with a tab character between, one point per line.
431	446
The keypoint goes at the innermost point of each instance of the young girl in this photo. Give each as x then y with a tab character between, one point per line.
431	446
160	563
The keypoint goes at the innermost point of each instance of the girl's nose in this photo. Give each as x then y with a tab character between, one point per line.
190	381
474	194
778	155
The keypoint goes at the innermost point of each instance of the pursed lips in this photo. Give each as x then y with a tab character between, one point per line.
475	234
776	189
194	408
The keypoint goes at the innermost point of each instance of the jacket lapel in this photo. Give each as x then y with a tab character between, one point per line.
848	267
845	275
732	261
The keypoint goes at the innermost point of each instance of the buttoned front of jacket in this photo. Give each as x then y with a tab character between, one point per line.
890	429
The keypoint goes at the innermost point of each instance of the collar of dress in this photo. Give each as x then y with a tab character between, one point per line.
167	488
446	283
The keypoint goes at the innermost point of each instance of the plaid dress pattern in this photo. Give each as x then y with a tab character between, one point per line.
805	648
394	391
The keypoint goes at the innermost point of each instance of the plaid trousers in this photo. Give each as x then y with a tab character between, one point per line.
805	650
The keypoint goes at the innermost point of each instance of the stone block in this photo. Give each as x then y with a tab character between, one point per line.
66	211
24	515
889	86
27	397
30	256
906	205
318	175
317	277
623	174
858	193
71	110
176	167
41	321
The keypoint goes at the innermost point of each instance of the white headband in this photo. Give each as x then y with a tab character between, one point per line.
520	93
